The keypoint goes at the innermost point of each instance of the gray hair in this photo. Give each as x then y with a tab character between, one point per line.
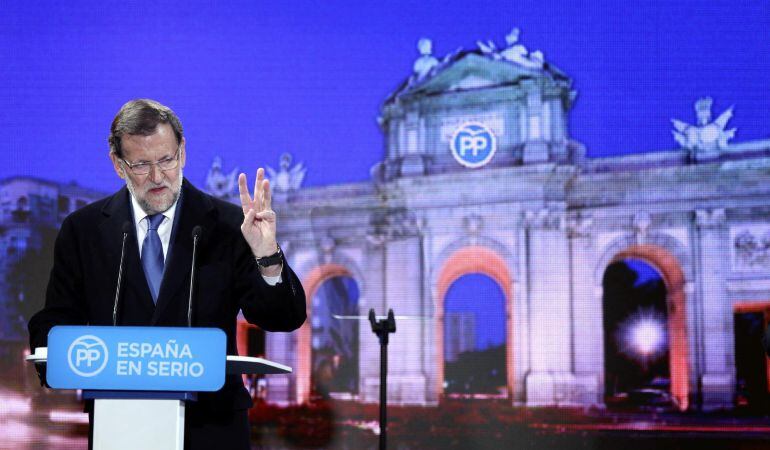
141	117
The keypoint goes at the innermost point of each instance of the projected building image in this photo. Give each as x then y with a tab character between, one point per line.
546	296
565	238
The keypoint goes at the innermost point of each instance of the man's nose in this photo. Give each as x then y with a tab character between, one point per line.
156	175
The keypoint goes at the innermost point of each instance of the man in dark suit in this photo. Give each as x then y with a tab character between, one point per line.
239	264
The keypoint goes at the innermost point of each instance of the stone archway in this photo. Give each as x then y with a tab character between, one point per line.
749	307
311	283
673	277
467	260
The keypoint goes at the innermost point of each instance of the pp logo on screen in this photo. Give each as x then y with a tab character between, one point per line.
473	144
87	356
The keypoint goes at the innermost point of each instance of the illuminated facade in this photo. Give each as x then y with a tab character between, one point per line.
541	220
29	206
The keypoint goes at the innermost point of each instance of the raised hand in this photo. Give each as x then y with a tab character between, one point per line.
258	226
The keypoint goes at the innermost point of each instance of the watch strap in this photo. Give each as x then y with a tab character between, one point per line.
271	260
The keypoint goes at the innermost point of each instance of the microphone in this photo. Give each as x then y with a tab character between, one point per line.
196	234
126	230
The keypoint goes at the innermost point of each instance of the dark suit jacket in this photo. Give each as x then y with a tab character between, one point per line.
81	288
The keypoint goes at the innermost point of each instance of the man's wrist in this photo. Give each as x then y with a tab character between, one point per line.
275	258
271	265
271	271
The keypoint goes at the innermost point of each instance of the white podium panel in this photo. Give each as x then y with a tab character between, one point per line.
130	424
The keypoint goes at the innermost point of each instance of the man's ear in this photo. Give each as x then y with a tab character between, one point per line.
182	154
117	165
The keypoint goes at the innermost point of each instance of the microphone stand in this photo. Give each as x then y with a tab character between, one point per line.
126	231
382	328
196	234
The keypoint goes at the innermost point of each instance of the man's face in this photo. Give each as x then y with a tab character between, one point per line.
158	190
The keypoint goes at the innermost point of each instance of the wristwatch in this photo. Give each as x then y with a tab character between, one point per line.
271	260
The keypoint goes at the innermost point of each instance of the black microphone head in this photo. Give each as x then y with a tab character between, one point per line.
197	231
126	227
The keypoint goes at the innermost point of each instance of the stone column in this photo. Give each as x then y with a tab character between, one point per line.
587	323
717	353
280	347
535	147
368	347
430	357
413	148
402	286
550	380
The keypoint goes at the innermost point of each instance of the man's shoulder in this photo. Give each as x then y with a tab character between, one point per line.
228	214
92	212
225	211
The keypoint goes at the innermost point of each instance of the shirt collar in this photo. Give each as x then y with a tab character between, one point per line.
139	213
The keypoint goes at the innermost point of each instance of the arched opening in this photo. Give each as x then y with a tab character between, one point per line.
752	366
670	271
636	345
250	341
334	339
474	338
480	264
304	365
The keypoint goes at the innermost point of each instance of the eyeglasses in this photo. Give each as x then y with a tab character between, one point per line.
143	168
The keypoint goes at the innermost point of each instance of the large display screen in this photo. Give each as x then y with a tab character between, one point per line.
565	204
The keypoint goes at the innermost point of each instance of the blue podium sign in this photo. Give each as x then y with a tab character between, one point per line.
136	358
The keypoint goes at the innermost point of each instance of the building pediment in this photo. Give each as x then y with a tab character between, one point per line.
470	71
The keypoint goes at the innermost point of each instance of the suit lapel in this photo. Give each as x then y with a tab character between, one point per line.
116	212
196	209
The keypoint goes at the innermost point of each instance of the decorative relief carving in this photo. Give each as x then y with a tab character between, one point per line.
750	247
580	226
641	224
394	223
710	218
546	219
473	223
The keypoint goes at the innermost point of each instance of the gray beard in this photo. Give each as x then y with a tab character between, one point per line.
146	207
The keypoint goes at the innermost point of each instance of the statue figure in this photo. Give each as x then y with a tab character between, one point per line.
218	184
286	179
426	62
706	135
489	48
537	59
514	52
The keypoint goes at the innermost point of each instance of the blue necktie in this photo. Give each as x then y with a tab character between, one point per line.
152	255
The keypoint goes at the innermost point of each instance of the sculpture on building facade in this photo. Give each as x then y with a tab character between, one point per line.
426	62
286	178
706	135
752	251
218	183
514	52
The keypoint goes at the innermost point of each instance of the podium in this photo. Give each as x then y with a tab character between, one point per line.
126	416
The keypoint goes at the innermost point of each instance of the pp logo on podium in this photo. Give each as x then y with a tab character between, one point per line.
87	356
473	144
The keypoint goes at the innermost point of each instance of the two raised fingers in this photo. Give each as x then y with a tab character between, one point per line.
262	200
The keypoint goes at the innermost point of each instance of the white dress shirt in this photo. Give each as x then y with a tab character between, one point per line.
142	222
